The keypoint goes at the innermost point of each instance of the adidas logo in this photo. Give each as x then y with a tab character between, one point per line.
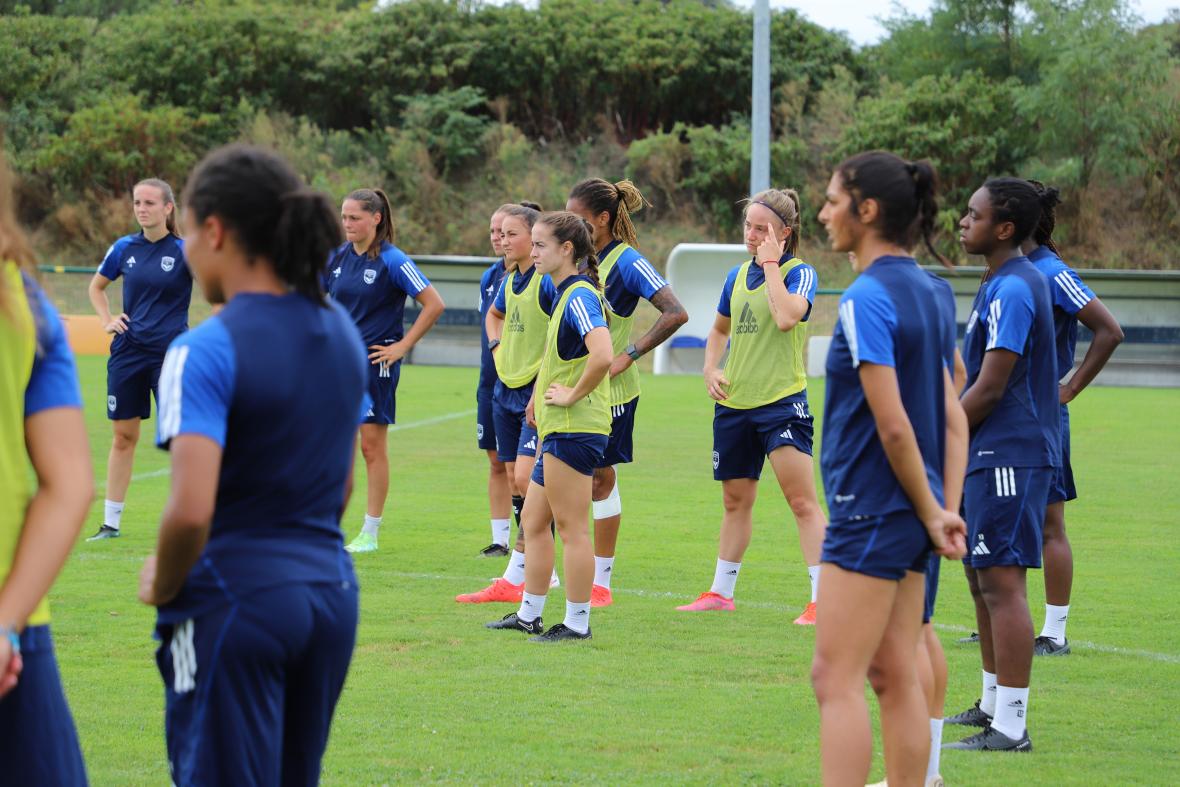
731	573
607	570
583	612
515	323
747	322
981	548
531	445
786	435
130	262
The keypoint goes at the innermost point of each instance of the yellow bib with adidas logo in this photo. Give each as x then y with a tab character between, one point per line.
18	345
624	387
764	363
588	415
523	340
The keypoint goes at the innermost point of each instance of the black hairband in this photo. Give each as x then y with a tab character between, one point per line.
772	210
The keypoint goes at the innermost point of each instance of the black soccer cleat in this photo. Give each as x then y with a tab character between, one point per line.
560	633
972	717
511	622
992	739
1047	646
105	532
971	640
494	550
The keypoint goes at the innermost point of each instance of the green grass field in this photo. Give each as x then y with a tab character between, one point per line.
658	696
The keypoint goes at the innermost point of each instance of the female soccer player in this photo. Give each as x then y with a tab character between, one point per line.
157	289
370	277
1012	406
573	422
499	495
257	600
516	327
626	278
40	421
761	411
894	434
1073	302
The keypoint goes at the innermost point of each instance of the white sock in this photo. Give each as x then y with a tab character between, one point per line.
372	525
577	616
501	531
1055	620
1011	711
725	578
514	574
112	513
987	699
935	749
602	570
531	607
813	574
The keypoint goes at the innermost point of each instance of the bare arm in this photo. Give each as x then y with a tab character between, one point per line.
102	305
786	308
432	309
188	514
715	379
672	316
60	454
493	324
958	436
1108	335
982	397
960	376
947	531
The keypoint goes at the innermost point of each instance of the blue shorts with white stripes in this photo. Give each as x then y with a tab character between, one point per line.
250	687
1005	509
742	439
383	393
620	446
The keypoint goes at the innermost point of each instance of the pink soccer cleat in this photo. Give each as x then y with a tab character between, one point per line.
500	590
708	602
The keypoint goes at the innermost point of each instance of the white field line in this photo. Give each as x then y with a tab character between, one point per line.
1166	658
438	419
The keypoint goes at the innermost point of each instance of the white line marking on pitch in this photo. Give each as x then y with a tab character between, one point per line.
1166	658
163	471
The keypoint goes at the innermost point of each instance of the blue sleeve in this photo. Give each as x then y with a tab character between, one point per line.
640	276
727	292
547	295
405	274
802	280
484	282
500	304
112	262
583	312
1070	293
54	381
949	330
869	322
1010	315
197	384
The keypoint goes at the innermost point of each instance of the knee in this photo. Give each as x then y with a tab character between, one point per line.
736	501
604	483
823	679
878	679
497	468
520	477
125	439
804	508
372	450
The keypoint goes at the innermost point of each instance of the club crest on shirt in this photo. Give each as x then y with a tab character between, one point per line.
111	402
370	275
167	263
716	460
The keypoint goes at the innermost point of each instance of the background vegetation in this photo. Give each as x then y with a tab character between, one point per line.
455	106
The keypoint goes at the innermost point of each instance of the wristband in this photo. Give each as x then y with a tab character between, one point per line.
633	351
493	344
12	636
764	263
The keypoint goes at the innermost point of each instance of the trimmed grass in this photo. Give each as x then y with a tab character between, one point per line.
657	696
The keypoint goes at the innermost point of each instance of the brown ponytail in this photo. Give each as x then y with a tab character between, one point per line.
375	201
619	200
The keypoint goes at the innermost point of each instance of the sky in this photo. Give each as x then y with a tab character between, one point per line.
856	17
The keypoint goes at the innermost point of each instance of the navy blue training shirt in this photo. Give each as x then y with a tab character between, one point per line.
1070	295
279	382
1013	311
157	289
583	313
894	314
374	291
631	278
489	283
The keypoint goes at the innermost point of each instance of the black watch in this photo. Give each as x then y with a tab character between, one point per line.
493	344
633	351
